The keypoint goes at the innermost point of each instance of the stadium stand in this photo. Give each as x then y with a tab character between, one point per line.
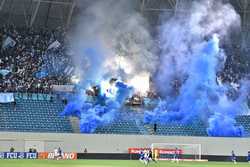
30	115
128	121
181	130
28	62
171	129
38	113
35	112
244	120
120	127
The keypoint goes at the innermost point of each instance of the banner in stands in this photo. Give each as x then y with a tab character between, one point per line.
18	155
8	42
51	155
63	88
6	97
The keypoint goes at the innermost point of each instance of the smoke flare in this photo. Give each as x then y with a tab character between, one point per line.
191	56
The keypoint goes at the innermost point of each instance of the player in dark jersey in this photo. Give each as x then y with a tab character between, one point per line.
141	156
248	156
60	153
233	157
176	155
150	157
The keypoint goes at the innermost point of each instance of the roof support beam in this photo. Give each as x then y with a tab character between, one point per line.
172	3
73	5
10	12
240	4
33	17
25	16
176	6
54	2
2	4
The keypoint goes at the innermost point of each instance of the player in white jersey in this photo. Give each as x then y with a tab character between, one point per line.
176	155
146	157
56	155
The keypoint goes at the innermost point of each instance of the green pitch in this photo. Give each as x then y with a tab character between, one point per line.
111	163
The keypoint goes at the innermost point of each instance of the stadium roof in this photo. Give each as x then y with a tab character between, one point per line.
50	13
54	13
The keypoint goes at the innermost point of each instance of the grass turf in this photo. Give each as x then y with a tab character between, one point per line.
111	163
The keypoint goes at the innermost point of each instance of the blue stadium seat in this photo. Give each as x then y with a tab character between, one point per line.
38	114
34	115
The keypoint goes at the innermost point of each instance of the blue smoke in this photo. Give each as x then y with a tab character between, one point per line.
41	74
93	55
201	97
102	110
224	125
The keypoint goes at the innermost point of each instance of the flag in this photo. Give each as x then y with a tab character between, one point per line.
6	97
54	45
8	42
4	72
63	88
42	74
68	70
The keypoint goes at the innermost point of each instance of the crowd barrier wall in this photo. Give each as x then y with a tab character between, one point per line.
103	143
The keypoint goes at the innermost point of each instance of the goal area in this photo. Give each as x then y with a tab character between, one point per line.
171	151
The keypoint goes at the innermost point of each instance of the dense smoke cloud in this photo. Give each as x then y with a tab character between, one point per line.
102	109
111	40
183	34
190	61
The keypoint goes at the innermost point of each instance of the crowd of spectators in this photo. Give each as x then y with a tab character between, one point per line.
236	65
25	55
32	65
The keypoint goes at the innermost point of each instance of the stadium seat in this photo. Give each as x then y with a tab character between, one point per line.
34	115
